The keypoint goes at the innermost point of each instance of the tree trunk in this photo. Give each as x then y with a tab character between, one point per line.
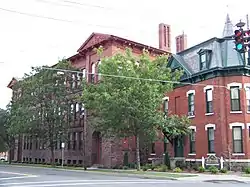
9	156
52	156
138	153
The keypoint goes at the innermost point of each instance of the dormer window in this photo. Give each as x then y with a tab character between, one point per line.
203	61
205	58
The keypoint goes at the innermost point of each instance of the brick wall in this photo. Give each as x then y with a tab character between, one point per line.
221	116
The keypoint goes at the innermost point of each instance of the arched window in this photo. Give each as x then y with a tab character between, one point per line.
92	73
99	75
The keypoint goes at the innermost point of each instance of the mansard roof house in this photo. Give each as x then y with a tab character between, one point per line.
217	100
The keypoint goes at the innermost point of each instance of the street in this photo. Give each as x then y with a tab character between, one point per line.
15	176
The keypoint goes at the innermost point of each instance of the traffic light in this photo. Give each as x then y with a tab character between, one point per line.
247	38
239	40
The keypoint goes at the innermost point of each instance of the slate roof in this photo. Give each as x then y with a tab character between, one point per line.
223	52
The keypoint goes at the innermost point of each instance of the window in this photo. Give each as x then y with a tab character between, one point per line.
79	79
248	128
69	140
99	74
203	61
191	104
209	99
235	98
83	72
192	141
248	98
210	135
74	138
153	148
73	78
237	140
165	107
92	79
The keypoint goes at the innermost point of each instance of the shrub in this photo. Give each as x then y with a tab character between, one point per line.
149	166
223	170
144	168
162	168
132	165
247	170
213	170
125	167
153	167
177	170
201	169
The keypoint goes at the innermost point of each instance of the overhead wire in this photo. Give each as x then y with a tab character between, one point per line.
54	19
135	78
70	21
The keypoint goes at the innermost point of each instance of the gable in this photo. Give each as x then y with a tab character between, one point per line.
93	39
175	64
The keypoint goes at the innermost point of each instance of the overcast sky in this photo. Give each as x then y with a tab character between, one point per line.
27	41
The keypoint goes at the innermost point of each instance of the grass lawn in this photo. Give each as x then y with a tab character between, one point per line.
149	174
245	175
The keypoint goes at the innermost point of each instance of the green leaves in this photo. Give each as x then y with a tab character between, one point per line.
3	130
175	126
41	104
126	102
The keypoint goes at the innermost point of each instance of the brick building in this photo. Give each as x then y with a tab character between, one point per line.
99	151
215	94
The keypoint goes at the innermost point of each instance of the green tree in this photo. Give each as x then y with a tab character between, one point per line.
3	133
41	108
7	132
129	103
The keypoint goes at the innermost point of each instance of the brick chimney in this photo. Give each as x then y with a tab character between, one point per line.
181	42
165	37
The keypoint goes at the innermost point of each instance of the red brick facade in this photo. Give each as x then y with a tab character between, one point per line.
98	150
222	119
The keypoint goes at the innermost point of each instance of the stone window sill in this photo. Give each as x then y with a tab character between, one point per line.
211	154
235	112
238	154
191	116
209	114
192	154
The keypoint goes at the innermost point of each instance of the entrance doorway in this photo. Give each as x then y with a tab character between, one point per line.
179	146
96	147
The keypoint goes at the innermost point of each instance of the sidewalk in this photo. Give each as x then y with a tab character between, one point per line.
216	177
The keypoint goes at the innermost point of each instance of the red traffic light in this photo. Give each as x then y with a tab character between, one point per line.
247	33
237	33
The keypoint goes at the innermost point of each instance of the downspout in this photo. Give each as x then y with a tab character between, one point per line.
226	121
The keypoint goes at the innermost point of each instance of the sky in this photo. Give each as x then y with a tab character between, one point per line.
29	40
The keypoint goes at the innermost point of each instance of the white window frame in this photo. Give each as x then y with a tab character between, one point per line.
187	94
208	87
242	125
234	84
247	88
192	128
213	126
